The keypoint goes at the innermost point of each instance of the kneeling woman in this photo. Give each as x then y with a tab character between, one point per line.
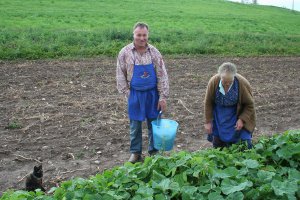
229	108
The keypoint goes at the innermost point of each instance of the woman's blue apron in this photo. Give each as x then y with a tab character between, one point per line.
225	116
143	98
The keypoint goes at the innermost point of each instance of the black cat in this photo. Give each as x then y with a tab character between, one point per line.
35	180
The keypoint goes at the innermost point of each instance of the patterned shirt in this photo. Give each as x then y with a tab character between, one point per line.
125	62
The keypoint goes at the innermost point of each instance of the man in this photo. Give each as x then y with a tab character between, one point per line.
143	79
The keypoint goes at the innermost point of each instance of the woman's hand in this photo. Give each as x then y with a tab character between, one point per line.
162	105
239	125
208	128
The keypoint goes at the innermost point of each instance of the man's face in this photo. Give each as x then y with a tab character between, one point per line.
140	36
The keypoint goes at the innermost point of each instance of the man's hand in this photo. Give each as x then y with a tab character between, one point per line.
162	105
239	125
208	128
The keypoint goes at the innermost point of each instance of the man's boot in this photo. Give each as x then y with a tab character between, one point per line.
134	157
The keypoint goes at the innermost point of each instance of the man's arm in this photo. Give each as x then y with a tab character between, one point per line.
121	75
162	78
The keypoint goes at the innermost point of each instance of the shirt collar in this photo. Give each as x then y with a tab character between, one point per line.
132	47
222	90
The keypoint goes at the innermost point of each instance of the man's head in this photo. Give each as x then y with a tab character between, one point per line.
140	34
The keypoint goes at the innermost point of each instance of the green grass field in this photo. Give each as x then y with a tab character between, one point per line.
35	29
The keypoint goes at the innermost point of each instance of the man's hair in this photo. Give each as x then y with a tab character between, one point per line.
141	25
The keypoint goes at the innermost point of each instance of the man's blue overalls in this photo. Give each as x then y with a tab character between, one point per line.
142	104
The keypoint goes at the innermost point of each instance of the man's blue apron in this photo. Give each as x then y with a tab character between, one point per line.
225	116
143	98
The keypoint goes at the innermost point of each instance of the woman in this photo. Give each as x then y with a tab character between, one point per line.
229	108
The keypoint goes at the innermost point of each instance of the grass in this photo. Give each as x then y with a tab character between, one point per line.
14	125
34	29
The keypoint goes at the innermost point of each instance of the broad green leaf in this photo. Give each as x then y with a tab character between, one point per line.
171	171
294	174
252	194
53	189
189	189
228	172
205	188
137	197
180	179
157	177
175	188
92	197
243	172
252	164
259	146
180	163
235	196
164	185
145	191
291	197
288	151
265	188
196	173
114	195
230	186
215	196
161	197
78	194
286	187
265	176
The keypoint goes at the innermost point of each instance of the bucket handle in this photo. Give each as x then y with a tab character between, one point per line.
159	118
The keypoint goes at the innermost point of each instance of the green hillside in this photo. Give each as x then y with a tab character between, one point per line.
34	29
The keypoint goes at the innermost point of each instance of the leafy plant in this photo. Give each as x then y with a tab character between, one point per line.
268	171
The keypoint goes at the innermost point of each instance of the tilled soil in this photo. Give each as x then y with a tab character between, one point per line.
69	116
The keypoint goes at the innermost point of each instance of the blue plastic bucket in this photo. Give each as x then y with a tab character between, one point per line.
164	133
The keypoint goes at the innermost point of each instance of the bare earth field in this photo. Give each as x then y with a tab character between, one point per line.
73	120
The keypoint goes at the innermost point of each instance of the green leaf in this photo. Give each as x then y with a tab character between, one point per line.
78	194
137	197
294	174
196	173
161	197
157	176
180	179
189	189
228	172
242	172
259	146
288	151
265	176
286	187
53	189
171	171
205	188
235	196
215	196
252	194
230	186
145	191
252	164
164	185
266	188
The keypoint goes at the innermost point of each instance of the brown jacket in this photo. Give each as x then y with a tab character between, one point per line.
245	106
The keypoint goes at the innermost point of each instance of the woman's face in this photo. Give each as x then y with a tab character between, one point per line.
227	79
